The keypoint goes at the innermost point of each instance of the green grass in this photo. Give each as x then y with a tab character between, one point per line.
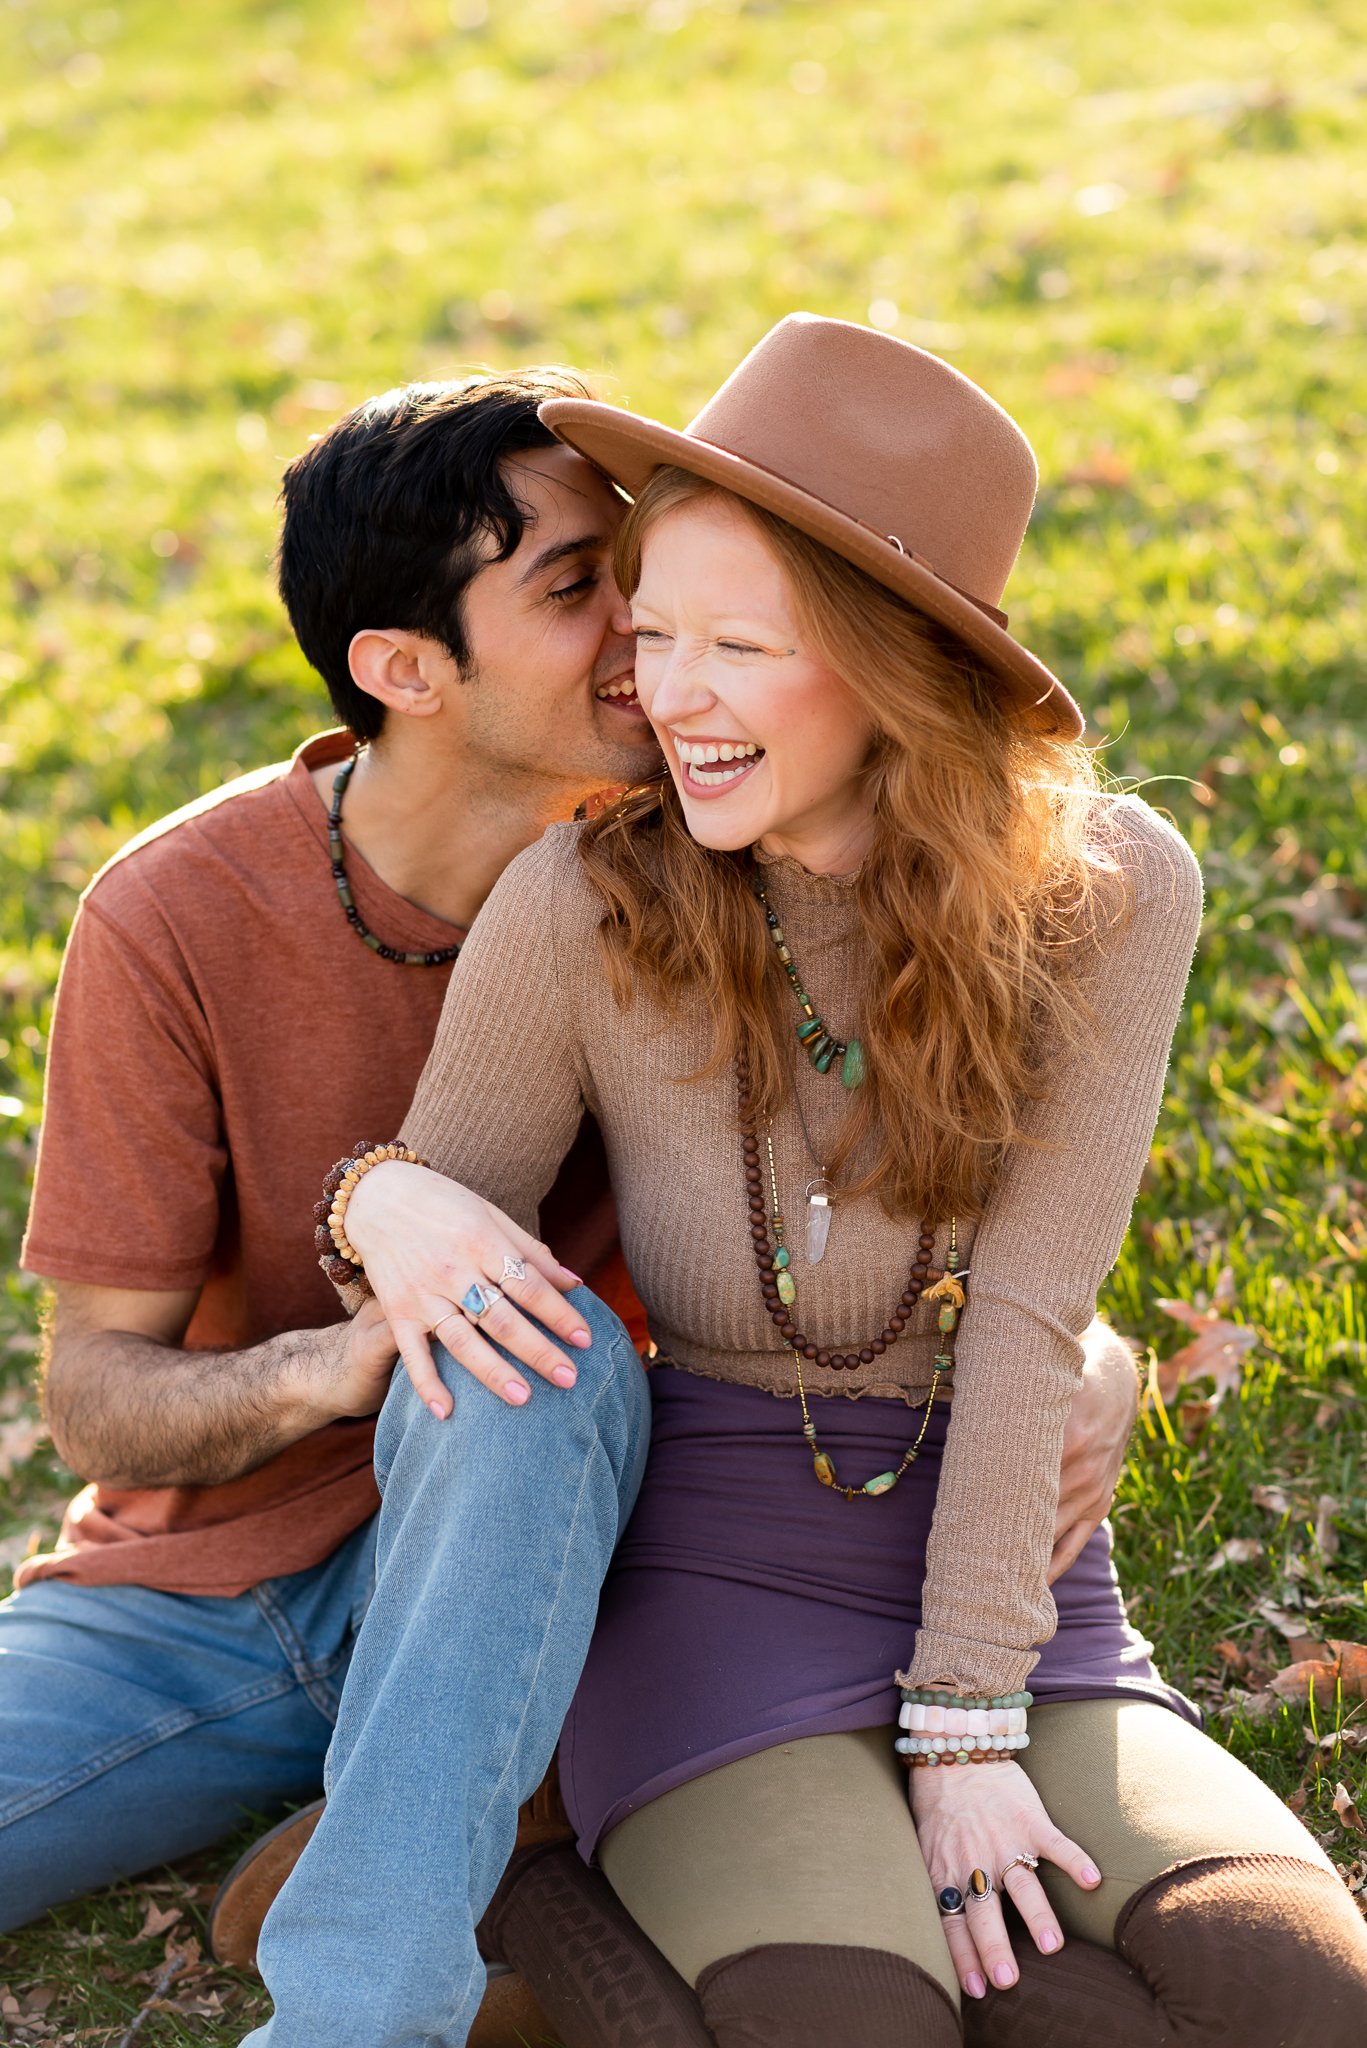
221	224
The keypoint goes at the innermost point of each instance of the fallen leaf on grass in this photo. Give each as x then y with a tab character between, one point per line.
1344	1668
1298	1798
1347	1812
1272	1498
1326	1535
1238	1550
157	1920
1215	1353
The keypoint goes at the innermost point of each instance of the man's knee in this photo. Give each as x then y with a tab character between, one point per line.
1250	1952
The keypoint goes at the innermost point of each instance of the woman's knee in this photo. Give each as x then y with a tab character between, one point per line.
1250	1951
810	1995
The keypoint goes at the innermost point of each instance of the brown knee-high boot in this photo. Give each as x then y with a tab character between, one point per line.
1222	1952
599	1980
808	1995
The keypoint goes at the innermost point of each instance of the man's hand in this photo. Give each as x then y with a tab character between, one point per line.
346	1371
1103	1413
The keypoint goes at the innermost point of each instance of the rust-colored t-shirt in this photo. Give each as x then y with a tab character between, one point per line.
220	1037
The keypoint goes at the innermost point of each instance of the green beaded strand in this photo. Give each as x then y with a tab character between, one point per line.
821	1045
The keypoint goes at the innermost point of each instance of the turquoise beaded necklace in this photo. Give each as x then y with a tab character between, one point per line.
821	1045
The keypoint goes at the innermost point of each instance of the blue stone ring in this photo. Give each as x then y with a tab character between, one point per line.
479	1299
950	1901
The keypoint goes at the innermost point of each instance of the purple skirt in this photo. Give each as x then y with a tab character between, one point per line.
747	1605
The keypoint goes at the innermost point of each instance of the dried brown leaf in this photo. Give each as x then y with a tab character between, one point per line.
156	1920
1238	1550
1215	1353
1272	1498
1298	1798
1347	1812
1326	1535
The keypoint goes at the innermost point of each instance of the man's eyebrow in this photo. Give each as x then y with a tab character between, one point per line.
560	551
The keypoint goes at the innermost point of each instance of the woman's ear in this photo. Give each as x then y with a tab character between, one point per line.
406	672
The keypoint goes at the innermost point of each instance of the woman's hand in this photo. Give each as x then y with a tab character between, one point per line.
979	1817
425	1241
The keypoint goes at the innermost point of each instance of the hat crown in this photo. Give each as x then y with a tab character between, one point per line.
886	434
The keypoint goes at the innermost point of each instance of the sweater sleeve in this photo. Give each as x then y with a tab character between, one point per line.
1051	1233
501	1097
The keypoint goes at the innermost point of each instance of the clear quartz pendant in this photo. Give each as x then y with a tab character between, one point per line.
819	1205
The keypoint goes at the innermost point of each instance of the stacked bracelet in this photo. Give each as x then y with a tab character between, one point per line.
947	1727
338	1257
931	1696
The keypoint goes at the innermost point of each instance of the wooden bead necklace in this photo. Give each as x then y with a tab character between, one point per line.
774	1262
439	957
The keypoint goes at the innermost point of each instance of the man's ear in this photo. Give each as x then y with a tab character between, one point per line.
406	672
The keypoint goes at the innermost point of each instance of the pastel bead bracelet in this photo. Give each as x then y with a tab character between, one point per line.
938	1720
960	1745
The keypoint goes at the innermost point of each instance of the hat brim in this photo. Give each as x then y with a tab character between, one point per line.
626	447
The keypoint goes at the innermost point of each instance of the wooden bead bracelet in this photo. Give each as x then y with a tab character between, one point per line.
337	1255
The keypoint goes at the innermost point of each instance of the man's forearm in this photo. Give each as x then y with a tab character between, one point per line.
128	1411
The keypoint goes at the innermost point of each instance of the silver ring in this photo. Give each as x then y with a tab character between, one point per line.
513	1269
479	1298
979	1887
1026	1861
449	1317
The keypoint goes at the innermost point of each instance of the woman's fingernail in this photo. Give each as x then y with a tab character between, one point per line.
581	1338
1048	1941
564	1375
516	1392
1003	1976
1090	1874
974	1985
437	1410
575	1277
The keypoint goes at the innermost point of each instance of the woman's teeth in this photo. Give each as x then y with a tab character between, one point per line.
706	759
625	689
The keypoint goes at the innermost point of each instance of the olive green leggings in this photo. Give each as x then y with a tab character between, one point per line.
813	1842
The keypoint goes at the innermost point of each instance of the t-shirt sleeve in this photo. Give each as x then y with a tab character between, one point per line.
502	1094
131	1156
1052	1232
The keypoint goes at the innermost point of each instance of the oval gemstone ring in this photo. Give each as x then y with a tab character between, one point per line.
950	1901
980	1885
513	1269
479	1299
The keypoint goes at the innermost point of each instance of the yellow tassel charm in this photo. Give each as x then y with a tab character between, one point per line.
950	1289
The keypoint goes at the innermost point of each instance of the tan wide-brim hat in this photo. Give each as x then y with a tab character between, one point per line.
885	453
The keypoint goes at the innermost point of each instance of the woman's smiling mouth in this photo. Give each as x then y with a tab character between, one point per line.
711	766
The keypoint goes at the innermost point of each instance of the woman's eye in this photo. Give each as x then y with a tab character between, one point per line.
738	647
572	590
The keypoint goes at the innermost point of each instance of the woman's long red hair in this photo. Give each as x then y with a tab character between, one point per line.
983	876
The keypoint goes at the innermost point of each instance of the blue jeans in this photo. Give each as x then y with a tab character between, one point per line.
138	1724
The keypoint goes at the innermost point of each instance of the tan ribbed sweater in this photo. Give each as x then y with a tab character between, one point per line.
530	1037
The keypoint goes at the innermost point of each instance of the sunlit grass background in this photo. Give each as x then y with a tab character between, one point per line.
1142	229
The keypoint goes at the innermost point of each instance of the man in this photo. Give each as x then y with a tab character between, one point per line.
238	1006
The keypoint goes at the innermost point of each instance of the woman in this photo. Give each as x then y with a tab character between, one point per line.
872	998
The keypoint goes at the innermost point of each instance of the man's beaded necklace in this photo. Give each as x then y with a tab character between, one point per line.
439	957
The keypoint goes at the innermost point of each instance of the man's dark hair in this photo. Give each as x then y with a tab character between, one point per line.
384	514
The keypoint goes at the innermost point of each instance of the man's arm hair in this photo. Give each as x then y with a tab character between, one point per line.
128	1406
